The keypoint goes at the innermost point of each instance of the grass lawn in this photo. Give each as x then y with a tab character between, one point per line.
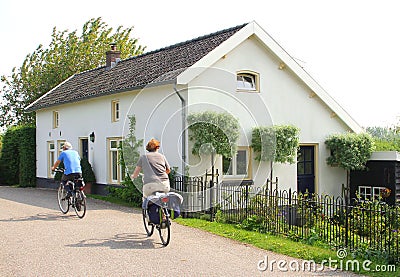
281	245
277	244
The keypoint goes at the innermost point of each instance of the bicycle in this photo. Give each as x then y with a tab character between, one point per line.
158	210
78	198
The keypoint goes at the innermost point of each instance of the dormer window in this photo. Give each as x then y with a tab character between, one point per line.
247	81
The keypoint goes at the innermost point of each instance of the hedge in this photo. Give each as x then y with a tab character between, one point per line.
18	156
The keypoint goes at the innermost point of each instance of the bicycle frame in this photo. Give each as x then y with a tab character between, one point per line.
77	200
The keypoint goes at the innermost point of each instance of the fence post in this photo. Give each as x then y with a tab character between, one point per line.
247	198
290	209
346	224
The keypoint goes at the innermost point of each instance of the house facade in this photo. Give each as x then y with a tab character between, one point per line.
241	71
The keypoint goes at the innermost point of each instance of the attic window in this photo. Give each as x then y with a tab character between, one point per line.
55	119
247	81
115	111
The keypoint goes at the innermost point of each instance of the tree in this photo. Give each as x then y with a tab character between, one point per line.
131	190
213	133
385	138
278	143
68	53
349	151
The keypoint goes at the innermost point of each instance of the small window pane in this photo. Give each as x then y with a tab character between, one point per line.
114	144
308	168
300	168
114	165
246	81
307	154
226	166
241	162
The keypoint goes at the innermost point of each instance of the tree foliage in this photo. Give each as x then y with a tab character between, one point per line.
131	190
68	53
385	138
213	132
278	143
350	151
18	156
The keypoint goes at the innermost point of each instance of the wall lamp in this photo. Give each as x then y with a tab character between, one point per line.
91	137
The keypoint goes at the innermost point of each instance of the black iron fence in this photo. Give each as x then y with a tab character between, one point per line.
367	228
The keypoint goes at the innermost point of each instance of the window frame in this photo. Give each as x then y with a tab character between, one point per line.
255	80
115	111
234	165
110	167
56	119
60	144
374	193
51	157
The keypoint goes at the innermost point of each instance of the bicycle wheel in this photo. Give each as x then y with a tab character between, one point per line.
165	228
63	202
149	227
80	204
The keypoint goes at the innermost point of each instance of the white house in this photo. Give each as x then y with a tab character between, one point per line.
240	70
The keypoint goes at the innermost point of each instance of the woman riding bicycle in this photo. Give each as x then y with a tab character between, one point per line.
155	170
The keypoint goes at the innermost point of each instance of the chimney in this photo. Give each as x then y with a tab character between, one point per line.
112	56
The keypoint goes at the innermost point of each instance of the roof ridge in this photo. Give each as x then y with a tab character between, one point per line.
172	46
187	41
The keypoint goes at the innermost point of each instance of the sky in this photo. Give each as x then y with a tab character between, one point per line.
350	47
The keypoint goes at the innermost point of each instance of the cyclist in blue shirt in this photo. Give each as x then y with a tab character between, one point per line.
72	165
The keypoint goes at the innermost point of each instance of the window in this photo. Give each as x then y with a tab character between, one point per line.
51	158
247	81
55	119
115	111
371	193
60	144
238	166
116	172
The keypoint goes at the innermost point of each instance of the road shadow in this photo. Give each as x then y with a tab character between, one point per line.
121	241
47	198
41	217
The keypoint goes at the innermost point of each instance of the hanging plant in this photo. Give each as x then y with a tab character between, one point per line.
213	132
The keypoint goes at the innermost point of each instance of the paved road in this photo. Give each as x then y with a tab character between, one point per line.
37	240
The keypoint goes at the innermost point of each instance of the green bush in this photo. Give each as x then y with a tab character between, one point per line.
87	171
18	156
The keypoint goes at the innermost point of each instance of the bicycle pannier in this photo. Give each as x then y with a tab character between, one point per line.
154	213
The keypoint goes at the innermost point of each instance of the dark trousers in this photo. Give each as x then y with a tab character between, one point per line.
70	177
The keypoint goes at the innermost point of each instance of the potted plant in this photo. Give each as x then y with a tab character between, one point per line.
87	174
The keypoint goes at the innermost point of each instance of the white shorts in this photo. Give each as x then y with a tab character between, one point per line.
150	188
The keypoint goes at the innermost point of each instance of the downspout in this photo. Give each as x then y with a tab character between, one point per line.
183	106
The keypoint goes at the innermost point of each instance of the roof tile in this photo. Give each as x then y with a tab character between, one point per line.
157	66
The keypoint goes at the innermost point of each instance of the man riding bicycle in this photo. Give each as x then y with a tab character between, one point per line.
72	165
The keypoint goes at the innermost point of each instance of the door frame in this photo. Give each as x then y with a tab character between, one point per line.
316	162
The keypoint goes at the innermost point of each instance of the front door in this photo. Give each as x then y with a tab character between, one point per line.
305	170
84	148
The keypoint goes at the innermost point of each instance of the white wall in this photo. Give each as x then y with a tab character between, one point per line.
156	116
283	99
